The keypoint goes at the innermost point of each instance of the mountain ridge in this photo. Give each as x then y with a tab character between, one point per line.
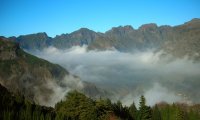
124	38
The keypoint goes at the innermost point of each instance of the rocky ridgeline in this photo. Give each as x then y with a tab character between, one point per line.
178	40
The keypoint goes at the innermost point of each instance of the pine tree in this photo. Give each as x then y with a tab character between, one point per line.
133	111
77	106
145	112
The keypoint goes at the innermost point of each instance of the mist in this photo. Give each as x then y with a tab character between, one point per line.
52	91
127	76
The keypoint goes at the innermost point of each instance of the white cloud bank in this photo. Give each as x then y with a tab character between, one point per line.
128	75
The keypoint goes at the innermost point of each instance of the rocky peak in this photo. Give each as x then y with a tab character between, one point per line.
150	26
82	32
128	27
34	41
62	36
41	36
120	30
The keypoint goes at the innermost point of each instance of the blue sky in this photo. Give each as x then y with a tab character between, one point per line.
19	17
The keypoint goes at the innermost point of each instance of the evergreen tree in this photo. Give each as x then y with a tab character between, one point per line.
133	111
145	112
104	108
77	106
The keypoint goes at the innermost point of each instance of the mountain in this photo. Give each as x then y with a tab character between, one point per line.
39	80
33	41
179	40
76	38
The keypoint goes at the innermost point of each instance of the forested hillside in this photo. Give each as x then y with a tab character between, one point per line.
77	106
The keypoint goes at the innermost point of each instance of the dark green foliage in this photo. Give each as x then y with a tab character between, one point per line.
77	106
133	111
145	112
16	107
120	111
103	108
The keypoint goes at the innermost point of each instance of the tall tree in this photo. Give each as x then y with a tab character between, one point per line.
145	112
77	106
133	111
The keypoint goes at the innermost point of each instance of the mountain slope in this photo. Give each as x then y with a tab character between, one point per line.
28	74
39	80
186	42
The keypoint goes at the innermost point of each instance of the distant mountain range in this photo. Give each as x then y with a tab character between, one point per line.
179	40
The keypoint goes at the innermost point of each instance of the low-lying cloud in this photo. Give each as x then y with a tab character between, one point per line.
129	75
52	91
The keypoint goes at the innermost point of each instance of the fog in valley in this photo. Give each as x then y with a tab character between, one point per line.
127	76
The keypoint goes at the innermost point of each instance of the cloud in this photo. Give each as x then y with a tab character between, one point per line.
128	75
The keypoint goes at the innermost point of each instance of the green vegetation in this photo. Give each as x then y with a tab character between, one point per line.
144	111
77	106
35	62
16	107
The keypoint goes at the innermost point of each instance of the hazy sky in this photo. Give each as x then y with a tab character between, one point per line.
64	16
